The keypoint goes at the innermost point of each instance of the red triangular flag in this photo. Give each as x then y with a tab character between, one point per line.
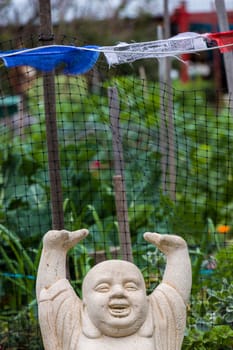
222	39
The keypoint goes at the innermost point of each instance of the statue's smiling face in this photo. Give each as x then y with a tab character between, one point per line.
115	298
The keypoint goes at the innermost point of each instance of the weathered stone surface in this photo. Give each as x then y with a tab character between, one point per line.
115	313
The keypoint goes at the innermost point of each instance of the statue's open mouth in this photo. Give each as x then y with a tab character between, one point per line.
119	309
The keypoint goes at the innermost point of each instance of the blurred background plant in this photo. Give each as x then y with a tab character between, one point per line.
87	172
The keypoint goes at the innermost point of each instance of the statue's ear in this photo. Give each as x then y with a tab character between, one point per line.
147	329
88	328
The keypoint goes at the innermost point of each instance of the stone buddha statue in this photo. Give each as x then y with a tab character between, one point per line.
115	312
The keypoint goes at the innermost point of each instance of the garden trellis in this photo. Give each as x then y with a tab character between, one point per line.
115	173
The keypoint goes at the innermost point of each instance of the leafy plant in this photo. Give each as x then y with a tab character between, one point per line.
103	232
19	266
80	262
217	338
204	140
224	259
21	330
210	318
222	303
23	187
18	315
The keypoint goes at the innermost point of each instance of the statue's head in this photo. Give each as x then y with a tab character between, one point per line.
114	298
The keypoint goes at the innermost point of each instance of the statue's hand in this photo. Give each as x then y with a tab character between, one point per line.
166	243
63	240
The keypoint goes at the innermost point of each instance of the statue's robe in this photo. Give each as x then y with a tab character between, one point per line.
64	327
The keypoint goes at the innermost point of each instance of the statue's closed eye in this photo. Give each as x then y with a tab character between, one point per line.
131	286
102	288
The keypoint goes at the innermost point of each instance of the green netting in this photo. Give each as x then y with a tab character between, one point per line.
173	149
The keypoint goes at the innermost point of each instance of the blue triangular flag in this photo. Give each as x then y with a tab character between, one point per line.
74	60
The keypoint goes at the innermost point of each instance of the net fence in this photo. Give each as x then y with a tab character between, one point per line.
135	155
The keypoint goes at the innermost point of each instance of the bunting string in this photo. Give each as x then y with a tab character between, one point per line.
79	60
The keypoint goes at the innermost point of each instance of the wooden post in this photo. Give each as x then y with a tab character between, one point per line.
167	133
169	107
118	179
46	37
183	26
163	135
227	56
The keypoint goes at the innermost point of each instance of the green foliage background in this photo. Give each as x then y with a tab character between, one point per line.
203	134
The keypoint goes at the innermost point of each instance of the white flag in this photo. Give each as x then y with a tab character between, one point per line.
177	45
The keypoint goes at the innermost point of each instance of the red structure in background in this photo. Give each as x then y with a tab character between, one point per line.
183	21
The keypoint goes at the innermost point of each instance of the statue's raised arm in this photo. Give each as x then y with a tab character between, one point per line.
52	267
178	268
58	305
